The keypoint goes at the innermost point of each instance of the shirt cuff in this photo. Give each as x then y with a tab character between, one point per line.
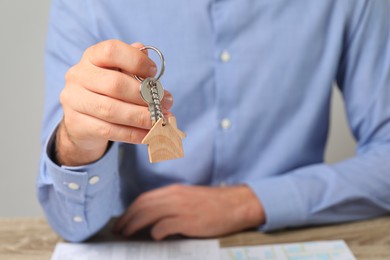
77	182
281	201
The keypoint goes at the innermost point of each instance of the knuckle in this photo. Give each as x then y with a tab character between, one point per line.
88	52
133	138
105	131
64	97
71	74
141	119
105	109
116	83
132	135
109	48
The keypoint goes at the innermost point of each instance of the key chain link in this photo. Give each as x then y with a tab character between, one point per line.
162	62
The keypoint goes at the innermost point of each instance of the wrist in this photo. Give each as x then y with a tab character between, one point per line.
68	152
249	209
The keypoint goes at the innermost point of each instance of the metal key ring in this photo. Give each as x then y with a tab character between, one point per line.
162	62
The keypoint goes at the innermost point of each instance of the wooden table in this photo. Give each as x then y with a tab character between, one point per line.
32	238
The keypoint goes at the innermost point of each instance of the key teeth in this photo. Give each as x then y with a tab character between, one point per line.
156	101
153	99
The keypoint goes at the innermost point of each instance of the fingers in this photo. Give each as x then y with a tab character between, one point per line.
147	215
167	101
167	227
111	83
149	208
91	127
117	54
108	109
192	211
106	82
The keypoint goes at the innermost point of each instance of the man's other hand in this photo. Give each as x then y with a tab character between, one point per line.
193	211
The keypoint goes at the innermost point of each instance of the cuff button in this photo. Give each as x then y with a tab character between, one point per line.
77	219
93	180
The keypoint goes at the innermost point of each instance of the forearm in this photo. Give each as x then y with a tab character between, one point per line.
355	189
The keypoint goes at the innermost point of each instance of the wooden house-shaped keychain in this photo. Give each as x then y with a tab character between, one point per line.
164	141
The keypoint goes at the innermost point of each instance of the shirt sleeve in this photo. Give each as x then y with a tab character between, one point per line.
77	201
357	188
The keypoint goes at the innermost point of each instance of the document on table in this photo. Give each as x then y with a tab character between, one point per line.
321	250
177	250
202	250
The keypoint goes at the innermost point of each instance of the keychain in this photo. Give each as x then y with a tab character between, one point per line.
164	140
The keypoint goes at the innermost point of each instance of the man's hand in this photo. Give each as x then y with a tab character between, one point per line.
101	102
192	211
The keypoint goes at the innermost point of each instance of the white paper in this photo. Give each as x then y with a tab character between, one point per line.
177	250
321	250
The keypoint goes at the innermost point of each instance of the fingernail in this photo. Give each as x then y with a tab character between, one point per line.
167	101
152	71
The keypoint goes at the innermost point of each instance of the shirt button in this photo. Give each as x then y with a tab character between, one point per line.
73	186
93	180
226	123
77	219
225	56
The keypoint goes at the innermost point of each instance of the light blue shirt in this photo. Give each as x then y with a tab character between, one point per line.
252	82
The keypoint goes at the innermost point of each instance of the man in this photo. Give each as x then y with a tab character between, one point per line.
251	82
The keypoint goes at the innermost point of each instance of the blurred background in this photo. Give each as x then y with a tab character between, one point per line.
22	38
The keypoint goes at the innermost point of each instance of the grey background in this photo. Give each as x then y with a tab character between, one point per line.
22	36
